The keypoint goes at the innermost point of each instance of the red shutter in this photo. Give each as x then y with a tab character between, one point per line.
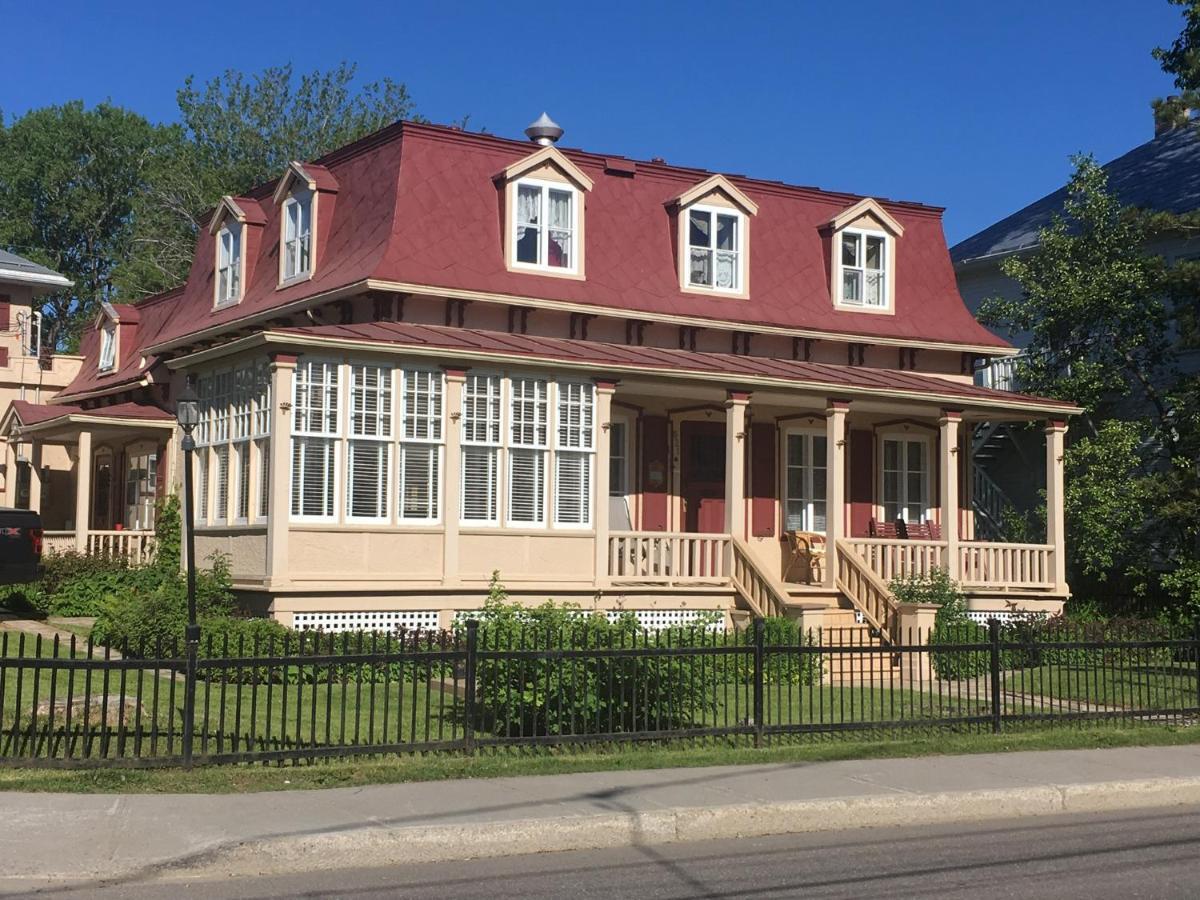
5	307
862	481
762	479
3	357
656	462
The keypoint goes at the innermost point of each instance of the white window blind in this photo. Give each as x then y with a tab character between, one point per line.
221	478
264	478
481	449
243	472
369	451
420	447
314	444
528	440
573	454
202	461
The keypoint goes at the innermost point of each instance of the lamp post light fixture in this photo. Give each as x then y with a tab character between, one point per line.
187	414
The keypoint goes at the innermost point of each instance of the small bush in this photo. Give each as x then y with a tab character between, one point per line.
950	625
780	667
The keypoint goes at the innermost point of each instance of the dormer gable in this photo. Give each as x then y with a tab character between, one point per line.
863	240
236	228
712	224
543	214
305	194
116	326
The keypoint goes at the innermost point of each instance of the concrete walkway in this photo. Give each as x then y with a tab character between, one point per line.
73	837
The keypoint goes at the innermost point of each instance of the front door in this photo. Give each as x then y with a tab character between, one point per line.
702	473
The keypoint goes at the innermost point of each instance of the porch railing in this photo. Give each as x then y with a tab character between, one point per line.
888	558
997	565
667	557
134	546
755	587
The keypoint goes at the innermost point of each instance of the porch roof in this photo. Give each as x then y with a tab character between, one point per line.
448	344
26	418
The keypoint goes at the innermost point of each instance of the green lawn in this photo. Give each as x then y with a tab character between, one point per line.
1125	687
229	718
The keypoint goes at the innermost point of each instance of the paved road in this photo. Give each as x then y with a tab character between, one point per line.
1132	855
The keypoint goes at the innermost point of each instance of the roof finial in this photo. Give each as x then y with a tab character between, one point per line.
544	131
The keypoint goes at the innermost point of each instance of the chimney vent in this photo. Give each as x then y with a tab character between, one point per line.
544	131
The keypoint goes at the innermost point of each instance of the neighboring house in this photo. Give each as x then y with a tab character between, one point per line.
33	477
431	355
1162	174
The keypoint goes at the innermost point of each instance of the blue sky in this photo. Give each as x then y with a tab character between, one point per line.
971	105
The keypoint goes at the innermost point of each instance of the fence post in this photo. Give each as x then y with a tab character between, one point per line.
759	677
469	700
994	642
191	646
1196	656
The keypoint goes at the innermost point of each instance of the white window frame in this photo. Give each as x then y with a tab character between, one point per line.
543	264
290	245
385	424
927	475
435	438
688	246
260	458
325	433
533	448
808	493
625	424
230	257
493	441
107	360
579	442
884	273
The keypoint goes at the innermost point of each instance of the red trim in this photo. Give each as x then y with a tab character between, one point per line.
837	404
861	472
656	466
738	396
762	470
606	384
454	371
1056	424
284	358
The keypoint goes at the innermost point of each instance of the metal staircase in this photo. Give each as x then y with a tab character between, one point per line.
988	499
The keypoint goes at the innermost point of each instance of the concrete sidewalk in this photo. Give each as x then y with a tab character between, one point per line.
72	837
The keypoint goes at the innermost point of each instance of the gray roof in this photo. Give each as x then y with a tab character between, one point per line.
1162	174
21	269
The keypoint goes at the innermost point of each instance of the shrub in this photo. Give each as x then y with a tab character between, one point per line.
586	694
781	667
936	587
950	625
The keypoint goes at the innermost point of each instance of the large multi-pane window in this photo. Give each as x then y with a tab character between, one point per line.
232	444
369	451
420	457
544	225
574	449
714	248
805	481
906	479
529	444
481	440
864	269
314	439
229	265
297	235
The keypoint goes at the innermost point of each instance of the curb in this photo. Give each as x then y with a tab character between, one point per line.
373	845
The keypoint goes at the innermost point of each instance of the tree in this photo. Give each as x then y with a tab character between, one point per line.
236	132
1182	60
69	179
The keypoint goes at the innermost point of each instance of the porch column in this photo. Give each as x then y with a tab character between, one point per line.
835	485
10	471
948	426
735	463
604	394
35	476
1056	429
83	491
283	371
452	477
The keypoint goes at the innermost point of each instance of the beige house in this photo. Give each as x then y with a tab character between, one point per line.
32	373
432	355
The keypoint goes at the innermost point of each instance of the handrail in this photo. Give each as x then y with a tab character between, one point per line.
867	591
889	557
667	557
757	589
1003	565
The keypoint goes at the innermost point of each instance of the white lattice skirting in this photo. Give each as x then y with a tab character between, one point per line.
415	619
981	617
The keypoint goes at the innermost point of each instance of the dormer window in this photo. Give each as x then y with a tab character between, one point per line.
108	346
714	248
864	278
229	265
297	235
712	220
545	225
863	240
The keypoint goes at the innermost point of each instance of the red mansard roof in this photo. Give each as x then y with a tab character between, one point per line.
419	205
611	359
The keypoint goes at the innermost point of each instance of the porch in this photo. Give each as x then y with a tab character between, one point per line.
118	460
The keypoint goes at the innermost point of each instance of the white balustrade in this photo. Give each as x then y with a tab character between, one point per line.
990	564
667	557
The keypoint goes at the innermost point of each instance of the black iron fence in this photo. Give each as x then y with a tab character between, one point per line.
316	696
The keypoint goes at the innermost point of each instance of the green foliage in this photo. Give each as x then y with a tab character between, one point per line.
1182	58
936	587
168	534
782	668
71	178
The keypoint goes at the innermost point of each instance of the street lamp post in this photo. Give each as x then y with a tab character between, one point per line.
187	414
